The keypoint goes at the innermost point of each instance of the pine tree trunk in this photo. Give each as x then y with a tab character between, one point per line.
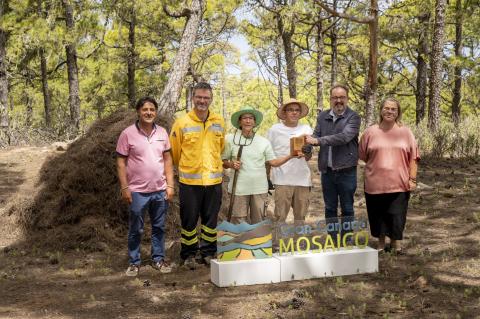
173	89
436	66
279	76
289	56
457	90
72	69
319	62
4	119
47	104
29	110
188	97
44	74
334	44
224	96
131	60
422	67
371	87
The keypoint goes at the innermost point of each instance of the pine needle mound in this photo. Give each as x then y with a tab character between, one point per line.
77	203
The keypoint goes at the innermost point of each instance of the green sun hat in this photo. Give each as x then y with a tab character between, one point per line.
246	110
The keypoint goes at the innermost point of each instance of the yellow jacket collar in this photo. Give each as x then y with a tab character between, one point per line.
211	116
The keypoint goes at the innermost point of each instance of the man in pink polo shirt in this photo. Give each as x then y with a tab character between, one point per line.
145	172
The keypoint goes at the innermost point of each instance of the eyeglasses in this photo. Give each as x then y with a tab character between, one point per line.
338	98
207	98
293	110
390	109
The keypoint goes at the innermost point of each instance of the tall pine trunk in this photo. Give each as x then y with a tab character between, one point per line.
131	59
44	74
319	61
4	119
72	69
422	67
173	89
47	104
457	89
436	66
279	75
371	87
188	97
289	56
334	45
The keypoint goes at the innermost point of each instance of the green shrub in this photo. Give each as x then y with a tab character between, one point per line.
449	141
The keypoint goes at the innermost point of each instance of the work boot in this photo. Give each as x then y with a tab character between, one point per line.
199	259
190	263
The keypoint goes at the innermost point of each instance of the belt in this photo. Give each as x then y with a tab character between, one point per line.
345	169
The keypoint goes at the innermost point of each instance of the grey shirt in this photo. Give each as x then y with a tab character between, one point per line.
335	117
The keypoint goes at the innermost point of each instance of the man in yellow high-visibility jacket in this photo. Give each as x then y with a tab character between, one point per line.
197	141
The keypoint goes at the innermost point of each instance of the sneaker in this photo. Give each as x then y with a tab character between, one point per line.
190	263
132	270
162	266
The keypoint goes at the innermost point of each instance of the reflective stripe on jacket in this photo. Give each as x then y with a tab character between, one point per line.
197	147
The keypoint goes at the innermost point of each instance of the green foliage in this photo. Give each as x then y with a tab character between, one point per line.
101	38
451	141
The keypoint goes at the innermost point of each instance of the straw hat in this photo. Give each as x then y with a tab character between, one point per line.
281	110
246	110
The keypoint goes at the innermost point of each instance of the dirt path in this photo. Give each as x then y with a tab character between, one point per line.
439	277
19	168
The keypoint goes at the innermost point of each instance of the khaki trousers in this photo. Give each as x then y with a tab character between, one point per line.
296	197
249	208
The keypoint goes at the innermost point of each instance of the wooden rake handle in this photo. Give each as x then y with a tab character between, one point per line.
234	186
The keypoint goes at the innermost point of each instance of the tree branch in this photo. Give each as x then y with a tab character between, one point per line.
364	20
185	13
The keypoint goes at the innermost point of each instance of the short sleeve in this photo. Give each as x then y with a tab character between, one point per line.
362	146
269	154
167	145
414	150
270	134
308	130
122	144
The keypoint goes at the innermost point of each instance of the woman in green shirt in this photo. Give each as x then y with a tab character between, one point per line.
250	198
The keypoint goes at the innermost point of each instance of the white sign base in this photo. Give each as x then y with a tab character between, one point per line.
244	272
340	262
296	266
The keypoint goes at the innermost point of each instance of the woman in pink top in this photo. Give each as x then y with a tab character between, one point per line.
391	154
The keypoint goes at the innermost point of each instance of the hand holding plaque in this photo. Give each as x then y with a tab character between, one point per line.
296	145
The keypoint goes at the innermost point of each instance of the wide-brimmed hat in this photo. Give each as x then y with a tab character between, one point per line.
246	110
281	110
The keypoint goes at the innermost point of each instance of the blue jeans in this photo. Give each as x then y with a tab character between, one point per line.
337	185
157	207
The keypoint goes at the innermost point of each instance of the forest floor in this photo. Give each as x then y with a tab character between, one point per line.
438	277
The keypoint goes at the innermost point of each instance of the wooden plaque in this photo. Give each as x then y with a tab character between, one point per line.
296	144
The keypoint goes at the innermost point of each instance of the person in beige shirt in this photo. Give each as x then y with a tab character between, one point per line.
391	154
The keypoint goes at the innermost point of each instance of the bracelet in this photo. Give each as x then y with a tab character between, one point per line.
124	188
414	180
169	186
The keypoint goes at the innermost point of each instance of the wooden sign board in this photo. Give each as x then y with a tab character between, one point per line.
296	144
